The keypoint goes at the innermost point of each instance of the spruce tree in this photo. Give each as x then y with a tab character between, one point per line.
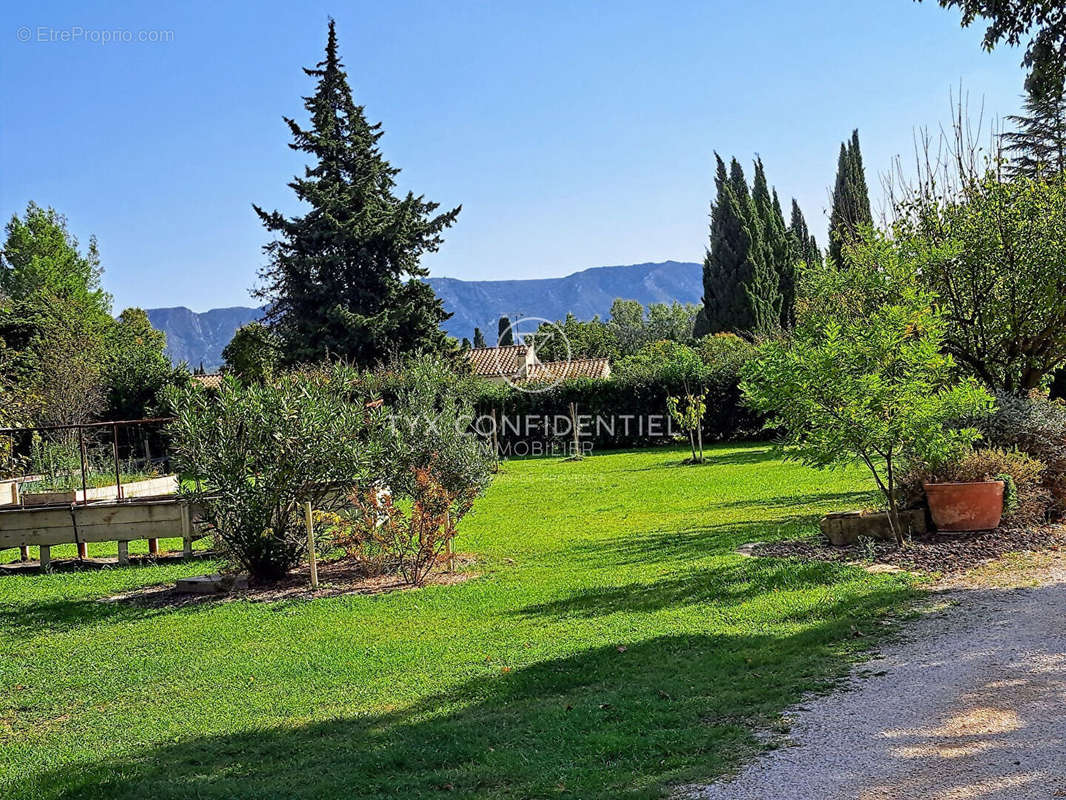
1037	146
479	338
344	278
504	334
851	199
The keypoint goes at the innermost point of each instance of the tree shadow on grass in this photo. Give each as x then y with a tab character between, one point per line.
715	456
625	718
719	586
687	545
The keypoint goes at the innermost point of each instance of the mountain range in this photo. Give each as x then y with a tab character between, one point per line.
199	338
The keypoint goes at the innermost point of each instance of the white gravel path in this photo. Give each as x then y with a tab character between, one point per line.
972	704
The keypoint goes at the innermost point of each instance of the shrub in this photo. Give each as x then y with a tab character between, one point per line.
638	387
382	536
259	451
1036	426
1025	500
874	387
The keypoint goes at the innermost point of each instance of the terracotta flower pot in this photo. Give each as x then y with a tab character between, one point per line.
971	506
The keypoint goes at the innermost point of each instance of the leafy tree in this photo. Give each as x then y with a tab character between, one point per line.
874	386
137	367
253	354
479	338
688	413
993	254
343	279
504	333
1011	22
41	256
1037	147
57	319
851	199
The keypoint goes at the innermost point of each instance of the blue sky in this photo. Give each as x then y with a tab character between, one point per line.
573	134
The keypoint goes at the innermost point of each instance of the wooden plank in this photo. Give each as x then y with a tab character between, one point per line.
46	556
83	549
103	523
123	552
186	531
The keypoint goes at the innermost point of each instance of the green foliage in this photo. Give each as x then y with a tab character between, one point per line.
137	369
430	408
1026	501
1010	23
993	254
504	334
874	387
344	278
636	392
851	200
260	450
688	413
71	361
749	269
1037	146
629	328
253	354
479	338
1035	426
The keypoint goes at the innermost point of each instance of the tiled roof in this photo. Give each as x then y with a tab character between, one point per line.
497	361
208	381
564	370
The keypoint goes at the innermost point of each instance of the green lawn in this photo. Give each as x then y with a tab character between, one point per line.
614	645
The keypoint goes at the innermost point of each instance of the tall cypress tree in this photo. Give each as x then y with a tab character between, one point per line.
344	279
728	267
851	199
773	290
1037	146
479	338
805	247
504	333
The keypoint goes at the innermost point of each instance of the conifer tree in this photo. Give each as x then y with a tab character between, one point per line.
504	334
804	244
851	199
465	345
344	278
728	266
1037	146
479	338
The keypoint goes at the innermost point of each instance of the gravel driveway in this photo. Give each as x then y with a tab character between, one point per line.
972	704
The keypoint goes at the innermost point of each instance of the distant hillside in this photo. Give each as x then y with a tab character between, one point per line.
199	338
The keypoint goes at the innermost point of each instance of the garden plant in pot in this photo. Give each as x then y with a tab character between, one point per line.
982	488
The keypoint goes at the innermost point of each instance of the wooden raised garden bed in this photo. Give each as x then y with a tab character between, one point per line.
152	487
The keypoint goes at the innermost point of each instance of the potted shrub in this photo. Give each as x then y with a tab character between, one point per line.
958	506
978	489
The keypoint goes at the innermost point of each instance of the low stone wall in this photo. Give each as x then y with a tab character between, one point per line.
844	528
